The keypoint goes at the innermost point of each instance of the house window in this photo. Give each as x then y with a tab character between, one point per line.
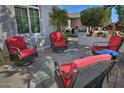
25	16
34	19
22	20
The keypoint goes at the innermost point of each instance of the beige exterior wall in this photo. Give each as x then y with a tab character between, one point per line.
75	22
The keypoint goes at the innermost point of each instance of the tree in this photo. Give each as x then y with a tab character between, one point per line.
119	10
58	18
95	17
113	29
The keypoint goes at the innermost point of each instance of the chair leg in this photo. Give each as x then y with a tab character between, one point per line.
107	78
20	63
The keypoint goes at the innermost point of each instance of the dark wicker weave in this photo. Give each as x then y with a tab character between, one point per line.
93	75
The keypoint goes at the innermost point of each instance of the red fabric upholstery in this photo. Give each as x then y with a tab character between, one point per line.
59	44
56	39
53	36
19	42
118	27
68	69
16	41
66	82
81	63
56	36
96	47
114	41
59	36
113	44
27	52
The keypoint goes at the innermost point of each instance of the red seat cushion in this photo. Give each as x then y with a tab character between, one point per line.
66	82
59	36
114	42
53	36
15	41
56	36
66	67
80	63
96	47
27	52
59	44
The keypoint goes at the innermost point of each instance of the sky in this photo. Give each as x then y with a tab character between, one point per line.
79	8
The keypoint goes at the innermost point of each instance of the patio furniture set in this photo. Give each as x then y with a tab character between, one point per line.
83	72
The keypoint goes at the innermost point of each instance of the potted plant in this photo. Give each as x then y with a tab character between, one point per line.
59	20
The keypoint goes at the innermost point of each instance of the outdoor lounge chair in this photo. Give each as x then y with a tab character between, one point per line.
66	74
18	50
114	44
57	43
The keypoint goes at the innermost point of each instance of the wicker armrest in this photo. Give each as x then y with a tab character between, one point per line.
73	78
18	50
99	42
66	75
27	43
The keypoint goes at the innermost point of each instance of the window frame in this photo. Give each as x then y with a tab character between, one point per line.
28	16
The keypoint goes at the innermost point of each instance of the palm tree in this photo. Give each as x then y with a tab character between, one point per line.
58	18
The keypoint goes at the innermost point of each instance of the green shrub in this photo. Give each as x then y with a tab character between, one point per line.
65	37
1	57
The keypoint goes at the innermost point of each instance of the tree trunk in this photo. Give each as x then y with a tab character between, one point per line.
88	30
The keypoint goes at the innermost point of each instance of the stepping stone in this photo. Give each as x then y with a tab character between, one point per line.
38	78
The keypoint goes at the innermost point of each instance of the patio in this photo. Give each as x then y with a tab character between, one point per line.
12	76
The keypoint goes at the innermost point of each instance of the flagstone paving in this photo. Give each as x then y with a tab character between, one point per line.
20	77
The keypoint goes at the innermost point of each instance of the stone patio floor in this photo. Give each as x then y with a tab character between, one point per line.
12	76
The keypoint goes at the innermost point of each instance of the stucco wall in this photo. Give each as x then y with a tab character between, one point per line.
47	29
8	25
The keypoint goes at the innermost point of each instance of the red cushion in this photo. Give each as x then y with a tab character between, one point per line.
114	41
16	41
56	36
59	36
66	82
113	44
53	36
59	44
80	63
95	47
27	52
66	67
